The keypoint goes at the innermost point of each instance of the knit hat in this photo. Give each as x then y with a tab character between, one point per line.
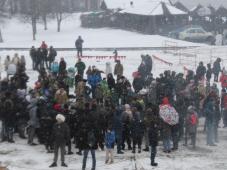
60	118
127	106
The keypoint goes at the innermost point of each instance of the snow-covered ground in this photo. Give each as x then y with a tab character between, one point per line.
18	34
20	156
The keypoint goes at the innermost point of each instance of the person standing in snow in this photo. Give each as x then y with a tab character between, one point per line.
33	122
108	69
191	126
118	69
7	62
79	46
60	135
80	66
109	142
216	69
32	53
51	56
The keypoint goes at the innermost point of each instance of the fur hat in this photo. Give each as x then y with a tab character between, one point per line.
60	118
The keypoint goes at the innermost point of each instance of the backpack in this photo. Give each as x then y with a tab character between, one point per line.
193	119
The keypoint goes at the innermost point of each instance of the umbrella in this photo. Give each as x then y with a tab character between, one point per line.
168	114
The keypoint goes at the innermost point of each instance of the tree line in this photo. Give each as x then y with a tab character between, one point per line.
33	11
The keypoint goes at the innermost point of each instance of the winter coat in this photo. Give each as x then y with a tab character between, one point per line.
16	60
6	63
201	71
105	90
98	92
110	139
110	81
118	69
137	84
117	122
191	122
223	80
61	97
8	112
60	133
209	111
80	88
62	66
12	69
33	116
89	139
54	67
216	67
209	74
152	124
52	54
137	125
93	80
80	67
79	43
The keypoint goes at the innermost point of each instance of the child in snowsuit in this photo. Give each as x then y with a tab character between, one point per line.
109	142
191	126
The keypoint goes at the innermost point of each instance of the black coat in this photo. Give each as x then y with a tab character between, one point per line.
79	43
62	66
60	133
152	123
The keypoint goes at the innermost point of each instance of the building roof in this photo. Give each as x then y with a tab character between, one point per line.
153	8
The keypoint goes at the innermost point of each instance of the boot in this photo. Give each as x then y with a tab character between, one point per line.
79	153
63	164
154	164
53	165
120	152
70	153
146	149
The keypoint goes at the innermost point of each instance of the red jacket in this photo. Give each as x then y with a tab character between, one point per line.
224	102
223	80
43	45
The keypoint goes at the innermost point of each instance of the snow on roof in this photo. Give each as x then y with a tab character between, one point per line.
149	7
123	4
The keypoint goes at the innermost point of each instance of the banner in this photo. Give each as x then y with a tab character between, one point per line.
163	61
104	57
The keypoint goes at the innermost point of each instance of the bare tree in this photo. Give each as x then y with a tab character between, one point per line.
2	15
45	8
33	15
58	10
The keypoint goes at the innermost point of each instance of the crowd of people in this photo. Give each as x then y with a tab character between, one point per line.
108	111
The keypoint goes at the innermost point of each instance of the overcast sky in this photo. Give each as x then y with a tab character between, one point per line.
191	3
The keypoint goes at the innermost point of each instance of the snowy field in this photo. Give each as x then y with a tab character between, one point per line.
17	34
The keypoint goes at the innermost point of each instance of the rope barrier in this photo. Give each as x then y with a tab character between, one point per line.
163	61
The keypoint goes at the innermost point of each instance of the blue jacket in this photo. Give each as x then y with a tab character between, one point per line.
110	139
54	68
94	79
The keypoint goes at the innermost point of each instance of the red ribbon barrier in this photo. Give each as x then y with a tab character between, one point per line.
104	57
163	61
